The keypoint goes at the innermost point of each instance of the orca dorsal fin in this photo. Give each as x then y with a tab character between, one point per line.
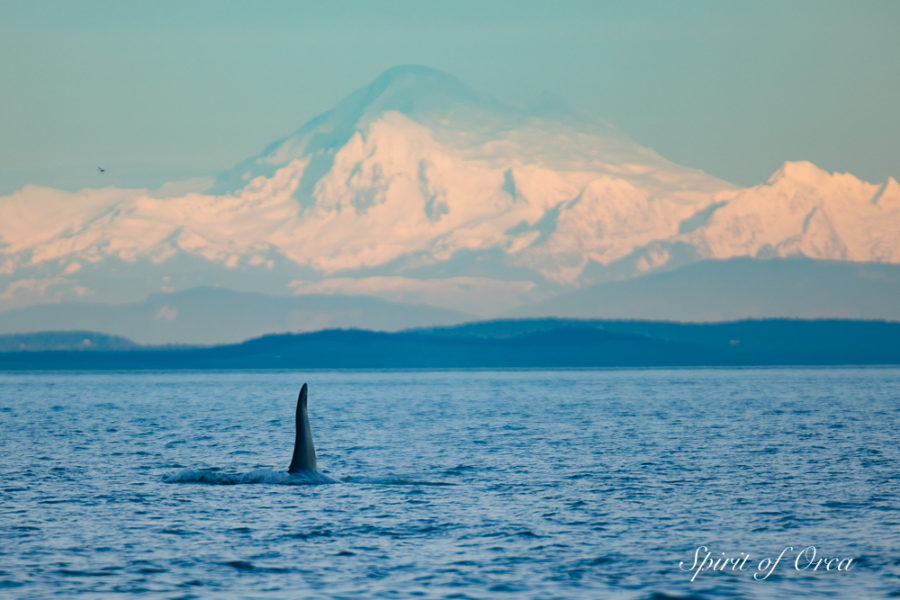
304	458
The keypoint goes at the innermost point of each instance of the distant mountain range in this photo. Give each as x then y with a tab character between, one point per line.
703	291
64	341
215	316
739	288
418	191
494	344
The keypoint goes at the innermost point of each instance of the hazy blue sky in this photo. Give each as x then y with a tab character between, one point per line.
160	91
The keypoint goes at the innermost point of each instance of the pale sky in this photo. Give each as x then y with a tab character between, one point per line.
165	91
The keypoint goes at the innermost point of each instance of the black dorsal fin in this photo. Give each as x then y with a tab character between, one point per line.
304	458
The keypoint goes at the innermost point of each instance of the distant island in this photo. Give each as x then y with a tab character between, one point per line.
531	343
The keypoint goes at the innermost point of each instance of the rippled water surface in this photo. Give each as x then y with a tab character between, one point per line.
456	484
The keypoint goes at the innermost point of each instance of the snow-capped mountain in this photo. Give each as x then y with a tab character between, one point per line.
417	189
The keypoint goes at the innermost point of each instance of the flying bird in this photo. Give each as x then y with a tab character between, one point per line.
101	170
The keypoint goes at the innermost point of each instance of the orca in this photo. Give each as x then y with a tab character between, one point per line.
302	471
304	459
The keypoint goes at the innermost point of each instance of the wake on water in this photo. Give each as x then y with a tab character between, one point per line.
215	477
267	476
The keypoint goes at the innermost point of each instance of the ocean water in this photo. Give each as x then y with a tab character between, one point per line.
452	484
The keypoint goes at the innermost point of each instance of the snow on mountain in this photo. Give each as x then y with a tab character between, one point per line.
417	188
805	211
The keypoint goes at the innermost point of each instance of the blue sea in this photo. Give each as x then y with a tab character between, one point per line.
452	484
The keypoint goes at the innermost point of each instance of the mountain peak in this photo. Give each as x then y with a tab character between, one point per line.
414	89
406	73
800	171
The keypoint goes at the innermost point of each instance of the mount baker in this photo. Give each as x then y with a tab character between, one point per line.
416	189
